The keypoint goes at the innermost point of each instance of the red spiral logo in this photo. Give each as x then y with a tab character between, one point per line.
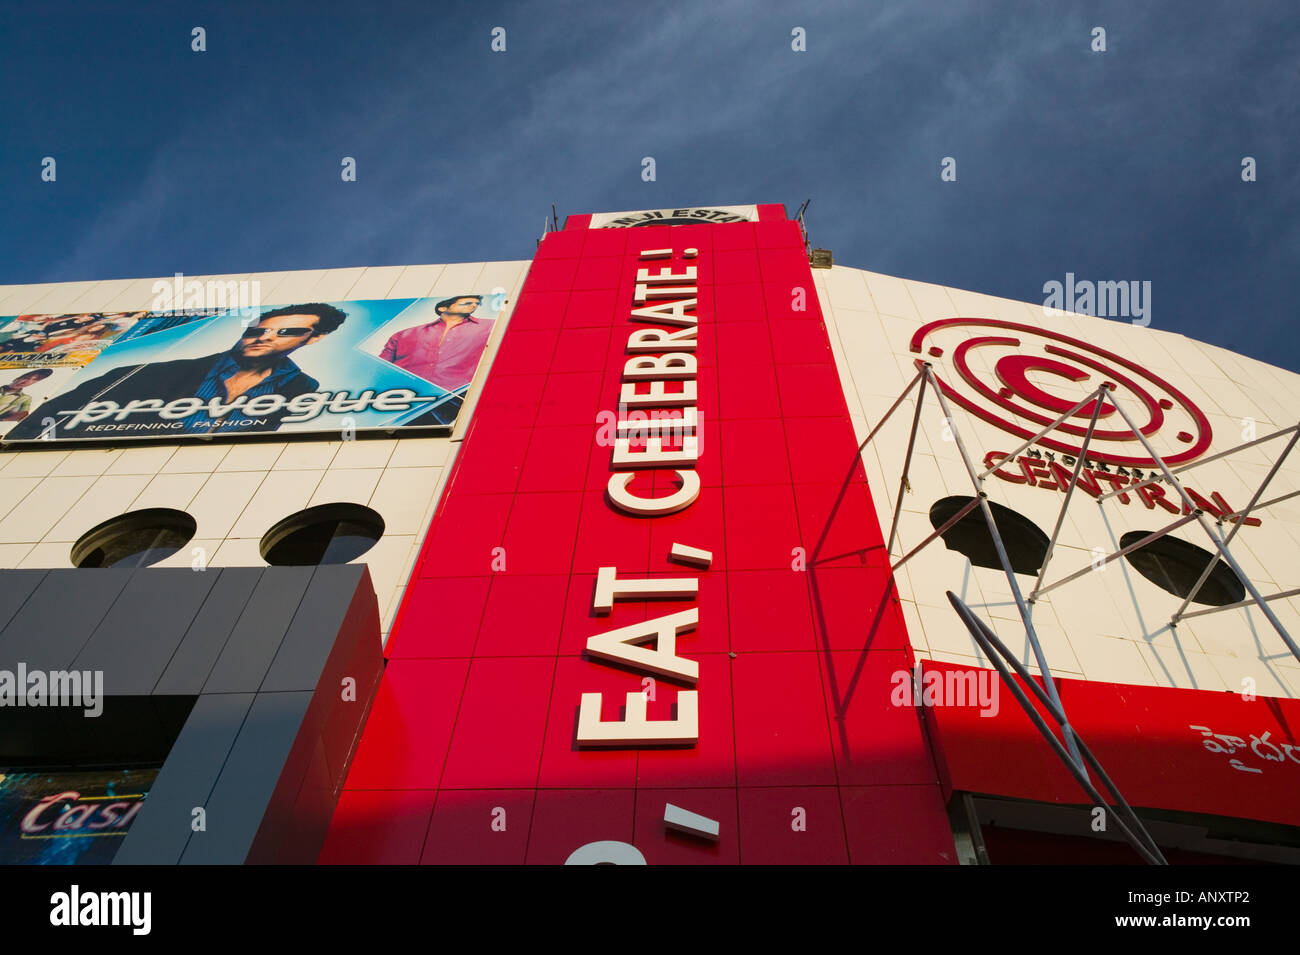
1066	370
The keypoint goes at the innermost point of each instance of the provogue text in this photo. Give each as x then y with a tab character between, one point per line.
300	408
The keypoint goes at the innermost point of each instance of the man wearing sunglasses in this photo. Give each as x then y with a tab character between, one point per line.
257	364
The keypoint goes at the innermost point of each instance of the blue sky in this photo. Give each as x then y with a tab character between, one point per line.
1122	165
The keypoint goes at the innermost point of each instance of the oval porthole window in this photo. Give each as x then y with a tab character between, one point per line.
327	534
135	539
1175	566
1025	543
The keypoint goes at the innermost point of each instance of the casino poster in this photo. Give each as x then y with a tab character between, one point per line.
332	368
75	817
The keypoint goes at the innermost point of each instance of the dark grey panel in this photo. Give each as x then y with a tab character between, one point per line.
208	633
249	779
343	722
252	646
187	659
160	833
15	587
285	837
144	628
294	828
58	618
316	801
300	661
342	729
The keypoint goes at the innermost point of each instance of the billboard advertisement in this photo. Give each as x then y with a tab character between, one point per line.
75	817
61	341
318	367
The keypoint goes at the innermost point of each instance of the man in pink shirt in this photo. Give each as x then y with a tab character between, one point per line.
445	351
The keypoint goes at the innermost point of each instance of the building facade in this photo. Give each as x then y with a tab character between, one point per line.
671	580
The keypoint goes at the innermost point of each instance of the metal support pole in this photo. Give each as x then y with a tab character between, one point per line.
1218	542
857	459
1263	504
1003	559
1240	603
1209	567
1196	464
939	532
892	408
1185	519
1069	491
907	463
1128	820
1099	394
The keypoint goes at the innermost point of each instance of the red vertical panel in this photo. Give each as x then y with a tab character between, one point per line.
503	634
782	737
734	235
762	531
607	538
594	307
604	242
711	762
783	726
875	741
470	525
406	737
525	352
479	826
442	617
663	846
564	765
378	827
911	838
792	826
564	244
497	742
565	819
769	610
855	608
540	536
698	526
583	349
581	621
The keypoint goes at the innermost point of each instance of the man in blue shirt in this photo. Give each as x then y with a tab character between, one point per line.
257	364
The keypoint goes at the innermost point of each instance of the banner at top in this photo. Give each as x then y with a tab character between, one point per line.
684	215
318	367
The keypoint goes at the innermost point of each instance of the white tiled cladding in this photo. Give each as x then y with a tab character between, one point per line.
237	491
1111	625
